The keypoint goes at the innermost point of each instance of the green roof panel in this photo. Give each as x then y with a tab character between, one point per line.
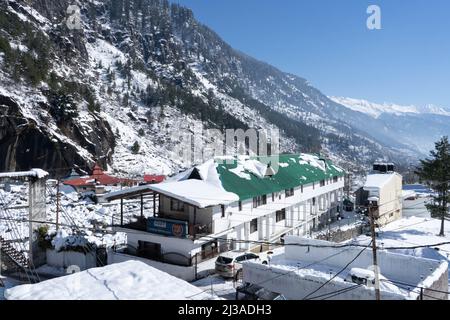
293	171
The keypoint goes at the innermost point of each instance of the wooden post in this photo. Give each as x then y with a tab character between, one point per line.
121	212
154	203
195	221
142	206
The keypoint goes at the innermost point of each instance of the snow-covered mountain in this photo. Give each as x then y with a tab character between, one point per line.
376	110
115	90
412	126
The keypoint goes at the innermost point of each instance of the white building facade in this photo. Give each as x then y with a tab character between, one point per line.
216	207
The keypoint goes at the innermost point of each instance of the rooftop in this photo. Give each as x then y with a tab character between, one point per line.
198	193
131	280
36	173
379	180
249	177
98	176
314	261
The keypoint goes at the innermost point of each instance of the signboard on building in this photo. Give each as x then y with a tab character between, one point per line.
168	227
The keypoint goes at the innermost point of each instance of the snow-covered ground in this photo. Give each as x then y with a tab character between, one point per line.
9	283
414	231
76	215
219	286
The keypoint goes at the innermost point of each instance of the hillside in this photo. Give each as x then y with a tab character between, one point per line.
415	127
137	72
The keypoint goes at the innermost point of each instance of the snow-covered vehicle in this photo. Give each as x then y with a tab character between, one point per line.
361	276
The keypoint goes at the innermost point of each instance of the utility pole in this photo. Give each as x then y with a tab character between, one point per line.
372	208
57	205
348	185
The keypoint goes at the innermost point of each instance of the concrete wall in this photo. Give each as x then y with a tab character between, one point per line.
343	234
185	273
391	200
185	247
66	259
37	213
297	287
391	264
440	284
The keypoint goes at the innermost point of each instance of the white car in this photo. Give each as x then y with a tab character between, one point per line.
228	264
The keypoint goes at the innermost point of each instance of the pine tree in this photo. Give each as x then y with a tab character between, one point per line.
435	172
135	148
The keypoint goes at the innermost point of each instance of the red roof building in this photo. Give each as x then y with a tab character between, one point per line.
98	177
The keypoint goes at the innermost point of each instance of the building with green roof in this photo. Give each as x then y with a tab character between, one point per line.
242	203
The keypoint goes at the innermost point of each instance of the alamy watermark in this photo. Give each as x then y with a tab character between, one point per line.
73	21
374	20
197	145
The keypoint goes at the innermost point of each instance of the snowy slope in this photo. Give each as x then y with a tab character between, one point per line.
407	127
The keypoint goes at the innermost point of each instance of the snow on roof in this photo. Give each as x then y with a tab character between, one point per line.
408	194
127	192
362	273
378	180
37	173
130	280
196	192
208	172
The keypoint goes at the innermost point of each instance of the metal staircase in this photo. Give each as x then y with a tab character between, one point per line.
14	259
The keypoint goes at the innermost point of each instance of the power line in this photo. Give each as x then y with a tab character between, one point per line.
18	235
336	293
289	272
338	273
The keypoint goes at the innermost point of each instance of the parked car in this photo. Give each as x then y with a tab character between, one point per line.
229	264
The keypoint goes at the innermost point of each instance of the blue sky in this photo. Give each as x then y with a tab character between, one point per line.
328	43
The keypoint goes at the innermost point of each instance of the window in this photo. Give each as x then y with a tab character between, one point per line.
314	201
223	211
258	201
289	192
240	258
253	226
281	215
335	179
273	196
322	183
251	256
176	205
240	205
264	199
301	188
314	185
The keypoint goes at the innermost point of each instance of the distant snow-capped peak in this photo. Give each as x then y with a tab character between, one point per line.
376	109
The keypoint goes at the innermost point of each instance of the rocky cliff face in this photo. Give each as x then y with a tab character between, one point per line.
116	89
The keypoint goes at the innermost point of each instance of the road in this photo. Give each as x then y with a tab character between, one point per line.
415	208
